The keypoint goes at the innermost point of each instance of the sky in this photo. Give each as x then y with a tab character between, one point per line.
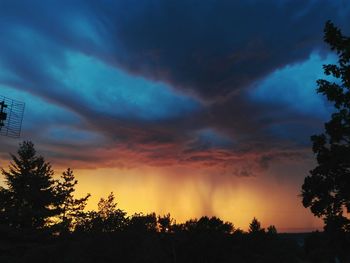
189	107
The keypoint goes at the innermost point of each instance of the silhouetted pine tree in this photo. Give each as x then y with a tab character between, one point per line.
255	227
71	208
30	199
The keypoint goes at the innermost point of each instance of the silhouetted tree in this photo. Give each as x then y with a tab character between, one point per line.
209	225
271	230
143	223
108	217
327	190
255	227
106	207
165	223
71	208
30	199
112	218
5	206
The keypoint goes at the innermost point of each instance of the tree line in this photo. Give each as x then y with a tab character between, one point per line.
33	200
42	221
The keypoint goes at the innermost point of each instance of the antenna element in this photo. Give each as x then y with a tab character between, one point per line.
11	115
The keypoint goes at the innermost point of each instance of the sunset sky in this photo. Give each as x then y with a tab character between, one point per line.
188	107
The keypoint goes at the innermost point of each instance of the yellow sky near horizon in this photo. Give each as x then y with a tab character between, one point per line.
188	193
185	196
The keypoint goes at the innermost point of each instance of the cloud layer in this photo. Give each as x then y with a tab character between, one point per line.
222	84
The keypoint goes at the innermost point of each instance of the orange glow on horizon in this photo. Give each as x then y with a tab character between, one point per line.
188	193
186	196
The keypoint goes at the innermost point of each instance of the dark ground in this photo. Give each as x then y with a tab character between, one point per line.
181	246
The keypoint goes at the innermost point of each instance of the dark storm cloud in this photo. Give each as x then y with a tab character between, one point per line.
210	47
213	52
215	47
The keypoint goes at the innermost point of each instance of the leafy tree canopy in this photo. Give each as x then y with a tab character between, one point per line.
326	191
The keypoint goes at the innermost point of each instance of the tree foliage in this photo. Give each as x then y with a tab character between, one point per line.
209	225
107	218
30	199
71	208
143	223
326	191
255	227
271	230
165	223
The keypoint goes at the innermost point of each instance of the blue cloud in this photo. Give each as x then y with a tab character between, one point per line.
47	122
72	135
133	72
293	87
108	90
207	139
39	114
213	138
75	80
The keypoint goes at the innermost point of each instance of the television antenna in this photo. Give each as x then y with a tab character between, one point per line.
11	115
